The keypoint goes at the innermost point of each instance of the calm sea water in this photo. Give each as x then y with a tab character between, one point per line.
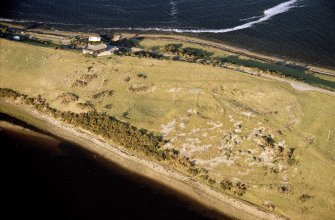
42	181
298	29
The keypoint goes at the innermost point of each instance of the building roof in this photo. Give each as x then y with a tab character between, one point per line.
94	39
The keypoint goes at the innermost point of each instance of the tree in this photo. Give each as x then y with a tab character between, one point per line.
174	48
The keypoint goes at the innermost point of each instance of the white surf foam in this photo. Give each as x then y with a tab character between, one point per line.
267	14
174	10
19	21
251	18
37	22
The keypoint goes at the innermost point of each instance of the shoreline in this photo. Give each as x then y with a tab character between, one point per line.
31	135
196	40
165	176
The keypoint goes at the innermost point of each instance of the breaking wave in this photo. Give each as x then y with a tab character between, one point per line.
18	21
251	18
174	10
267	14
36	22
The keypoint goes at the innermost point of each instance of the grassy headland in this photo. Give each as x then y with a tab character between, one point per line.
252	138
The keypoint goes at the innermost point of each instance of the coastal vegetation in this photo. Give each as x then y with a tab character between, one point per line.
250	137
108	127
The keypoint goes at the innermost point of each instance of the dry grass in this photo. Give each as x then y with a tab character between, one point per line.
237	126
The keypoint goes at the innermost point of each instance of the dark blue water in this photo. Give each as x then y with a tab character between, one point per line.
298	29
44	181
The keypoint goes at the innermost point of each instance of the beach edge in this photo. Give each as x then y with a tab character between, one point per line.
163	175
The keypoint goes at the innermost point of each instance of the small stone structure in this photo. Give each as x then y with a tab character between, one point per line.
94	48
109	51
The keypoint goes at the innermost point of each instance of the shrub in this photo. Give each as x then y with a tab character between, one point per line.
304	197
226	184
86	106
142	75
106	93
194	171
204	176
268	140
173	48
68	97
79	83
240	188
211	181
284	188
8	93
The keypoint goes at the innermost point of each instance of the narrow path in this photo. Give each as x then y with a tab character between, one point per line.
300	85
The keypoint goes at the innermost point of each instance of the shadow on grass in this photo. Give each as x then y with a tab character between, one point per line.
197	52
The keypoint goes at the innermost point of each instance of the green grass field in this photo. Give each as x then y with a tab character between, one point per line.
278	141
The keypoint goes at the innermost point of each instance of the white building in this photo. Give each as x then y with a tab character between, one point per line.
94	39
16	37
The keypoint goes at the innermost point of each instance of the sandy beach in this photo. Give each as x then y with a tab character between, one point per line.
156	172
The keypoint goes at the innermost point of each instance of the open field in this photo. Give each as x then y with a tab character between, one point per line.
266	142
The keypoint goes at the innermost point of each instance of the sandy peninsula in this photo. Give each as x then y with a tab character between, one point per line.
263	140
